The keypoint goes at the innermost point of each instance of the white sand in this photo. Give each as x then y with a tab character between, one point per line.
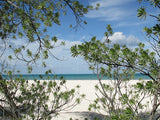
87	87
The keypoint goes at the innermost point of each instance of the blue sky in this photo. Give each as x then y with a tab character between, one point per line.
121	14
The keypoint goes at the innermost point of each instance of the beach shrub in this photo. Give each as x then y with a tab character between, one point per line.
37	99
29	20
120	63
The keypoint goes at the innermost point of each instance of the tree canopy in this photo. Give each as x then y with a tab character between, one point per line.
30	19
117	62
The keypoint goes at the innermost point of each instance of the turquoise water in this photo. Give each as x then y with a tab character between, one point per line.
68	76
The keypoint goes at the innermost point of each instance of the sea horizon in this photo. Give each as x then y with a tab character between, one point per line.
67	76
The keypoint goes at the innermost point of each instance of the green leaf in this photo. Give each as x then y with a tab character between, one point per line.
148	30
10	57
142	13
85	22
9	73
54	39
29	53
109	29
29	69
44	64
93	39
20	34
63	43
45	54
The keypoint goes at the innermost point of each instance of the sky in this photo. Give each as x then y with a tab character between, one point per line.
120	14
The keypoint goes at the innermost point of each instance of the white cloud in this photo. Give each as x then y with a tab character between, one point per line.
69	44
63	52
108	3
119	38
59	49
110	10
108	14
15	43
67	65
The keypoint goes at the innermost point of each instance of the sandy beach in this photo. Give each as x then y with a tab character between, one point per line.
81	111
87	87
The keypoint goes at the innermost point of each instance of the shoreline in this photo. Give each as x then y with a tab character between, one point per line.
68	76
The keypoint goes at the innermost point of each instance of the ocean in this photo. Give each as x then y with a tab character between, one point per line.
67	77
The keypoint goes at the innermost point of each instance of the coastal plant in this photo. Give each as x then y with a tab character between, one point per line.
120	63
29	20
28	99
111	63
